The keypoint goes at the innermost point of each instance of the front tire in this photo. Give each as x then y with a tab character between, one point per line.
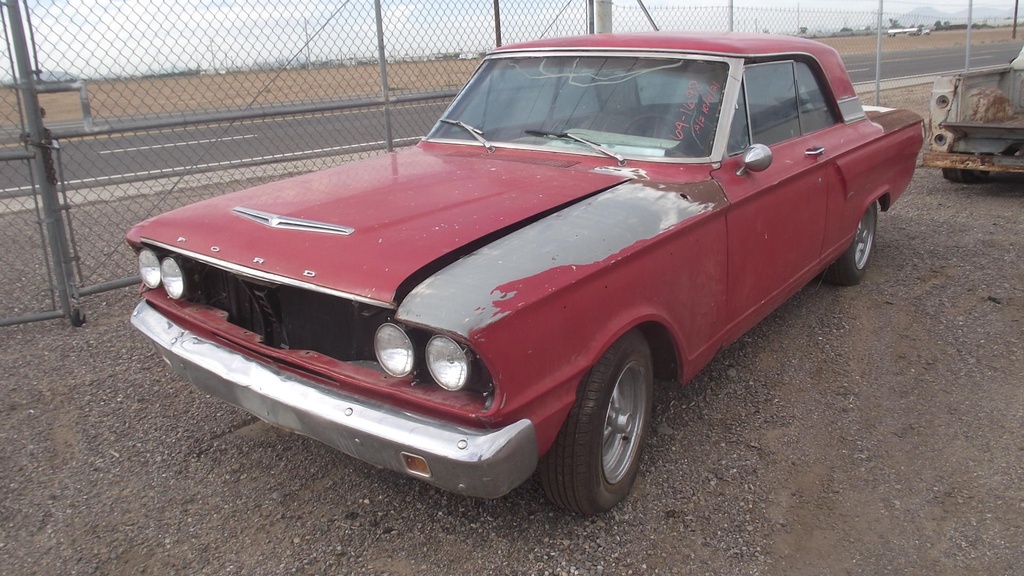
594	461
849	268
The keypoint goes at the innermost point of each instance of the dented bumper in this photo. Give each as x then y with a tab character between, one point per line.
474	462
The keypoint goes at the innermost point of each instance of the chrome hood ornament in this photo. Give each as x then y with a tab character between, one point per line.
288	223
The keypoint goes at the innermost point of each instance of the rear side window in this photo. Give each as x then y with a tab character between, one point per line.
815	113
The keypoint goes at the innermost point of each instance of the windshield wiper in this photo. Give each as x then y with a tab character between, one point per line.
566	135
473	131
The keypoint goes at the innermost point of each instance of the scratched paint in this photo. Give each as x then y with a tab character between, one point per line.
482	287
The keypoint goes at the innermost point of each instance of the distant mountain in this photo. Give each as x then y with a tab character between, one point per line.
924	14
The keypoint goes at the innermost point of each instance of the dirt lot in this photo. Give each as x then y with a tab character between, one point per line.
123	99
868	430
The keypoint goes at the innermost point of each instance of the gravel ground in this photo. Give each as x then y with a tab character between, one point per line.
867	430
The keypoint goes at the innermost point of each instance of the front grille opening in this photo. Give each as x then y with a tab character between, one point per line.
290	318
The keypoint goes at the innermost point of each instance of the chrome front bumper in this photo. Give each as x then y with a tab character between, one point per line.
480	463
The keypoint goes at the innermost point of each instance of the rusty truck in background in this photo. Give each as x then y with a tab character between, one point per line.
977	123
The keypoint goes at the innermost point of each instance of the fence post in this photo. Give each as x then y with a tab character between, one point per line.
878	59
43	170
497	25
970	24
385	90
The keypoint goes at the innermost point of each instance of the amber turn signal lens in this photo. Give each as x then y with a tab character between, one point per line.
416	464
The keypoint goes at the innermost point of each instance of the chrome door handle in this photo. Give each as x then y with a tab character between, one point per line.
816	151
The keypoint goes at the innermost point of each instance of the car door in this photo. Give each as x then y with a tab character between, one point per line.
776	218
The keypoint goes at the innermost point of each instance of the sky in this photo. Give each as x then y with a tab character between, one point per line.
104	38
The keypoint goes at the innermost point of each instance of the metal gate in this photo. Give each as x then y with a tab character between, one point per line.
37	281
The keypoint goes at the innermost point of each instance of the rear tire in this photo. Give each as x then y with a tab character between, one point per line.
594	461
849	268
964	176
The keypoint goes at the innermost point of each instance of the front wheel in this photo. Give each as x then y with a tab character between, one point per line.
849	268
594	461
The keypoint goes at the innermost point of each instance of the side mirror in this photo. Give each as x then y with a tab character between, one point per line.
756	158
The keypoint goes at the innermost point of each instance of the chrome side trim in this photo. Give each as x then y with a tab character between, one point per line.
289	223
266	276
470	461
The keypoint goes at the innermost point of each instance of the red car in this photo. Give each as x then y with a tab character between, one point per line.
590	214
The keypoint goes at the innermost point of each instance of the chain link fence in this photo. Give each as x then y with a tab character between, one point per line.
150	105
858	35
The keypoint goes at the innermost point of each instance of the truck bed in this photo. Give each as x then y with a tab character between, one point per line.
977	124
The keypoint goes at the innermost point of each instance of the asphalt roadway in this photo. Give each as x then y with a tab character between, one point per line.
100	161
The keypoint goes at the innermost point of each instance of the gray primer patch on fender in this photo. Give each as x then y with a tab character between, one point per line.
473	292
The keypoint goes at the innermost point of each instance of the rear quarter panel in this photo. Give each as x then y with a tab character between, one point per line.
879	169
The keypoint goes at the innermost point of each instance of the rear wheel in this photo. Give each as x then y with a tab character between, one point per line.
849	268
595	459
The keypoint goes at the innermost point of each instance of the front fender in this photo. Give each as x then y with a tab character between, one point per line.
540	305
542	258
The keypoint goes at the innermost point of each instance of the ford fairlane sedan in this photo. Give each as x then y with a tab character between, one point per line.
590	215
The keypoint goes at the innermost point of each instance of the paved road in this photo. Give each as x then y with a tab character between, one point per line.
102	161
910	63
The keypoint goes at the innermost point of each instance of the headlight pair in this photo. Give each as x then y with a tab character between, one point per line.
447	361
155	272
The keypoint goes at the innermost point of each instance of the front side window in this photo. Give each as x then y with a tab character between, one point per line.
772	102
636	107
785	100
739	134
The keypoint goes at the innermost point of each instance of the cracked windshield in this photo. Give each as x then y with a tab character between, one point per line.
622	107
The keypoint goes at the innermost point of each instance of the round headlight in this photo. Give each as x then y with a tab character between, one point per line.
394	350
149	268
448	363
172	277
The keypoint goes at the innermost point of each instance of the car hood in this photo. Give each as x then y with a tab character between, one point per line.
403	211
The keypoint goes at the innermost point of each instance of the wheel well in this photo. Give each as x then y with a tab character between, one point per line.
884	201
663	351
